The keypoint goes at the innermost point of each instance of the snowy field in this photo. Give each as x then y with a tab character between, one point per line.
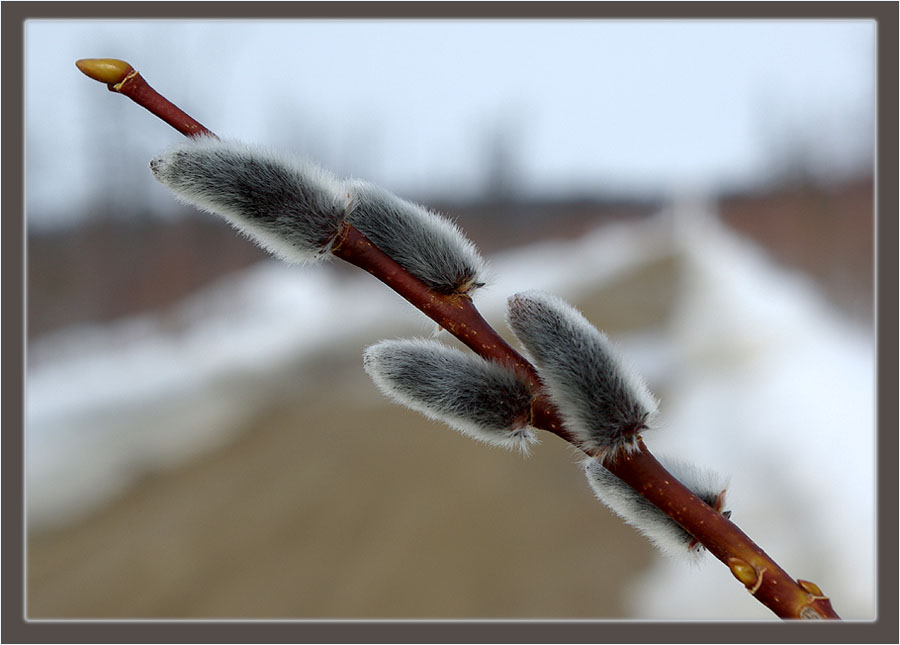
759	378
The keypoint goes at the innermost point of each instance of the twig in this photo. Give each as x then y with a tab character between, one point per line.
763	578
122	78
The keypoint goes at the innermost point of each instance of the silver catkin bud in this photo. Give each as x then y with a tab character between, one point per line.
662	531
603	403
424	243
482	399
291	208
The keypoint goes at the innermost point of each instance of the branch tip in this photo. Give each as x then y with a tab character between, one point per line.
105	70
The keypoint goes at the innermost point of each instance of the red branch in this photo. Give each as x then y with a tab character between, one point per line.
763	578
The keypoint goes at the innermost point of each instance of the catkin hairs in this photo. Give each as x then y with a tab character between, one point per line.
482	399
427	245
603	403
295	210
292	208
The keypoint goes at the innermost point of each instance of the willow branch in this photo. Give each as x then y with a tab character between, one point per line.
759	573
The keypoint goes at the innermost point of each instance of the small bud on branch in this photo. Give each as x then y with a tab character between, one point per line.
106	70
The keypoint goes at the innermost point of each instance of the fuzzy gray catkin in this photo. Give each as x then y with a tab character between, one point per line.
294	209
603	403
427	245
663	531
482	399
291	208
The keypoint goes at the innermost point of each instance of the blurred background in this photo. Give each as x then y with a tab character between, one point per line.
201	440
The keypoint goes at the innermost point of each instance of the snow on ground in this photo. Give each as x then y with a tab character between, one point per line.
759	379
107	404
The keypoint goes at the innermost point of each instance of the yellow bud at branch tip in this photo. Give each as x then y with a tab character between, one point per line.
105	70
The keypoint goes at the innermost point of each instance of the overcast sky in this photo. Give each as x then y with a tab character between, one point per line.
423	107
